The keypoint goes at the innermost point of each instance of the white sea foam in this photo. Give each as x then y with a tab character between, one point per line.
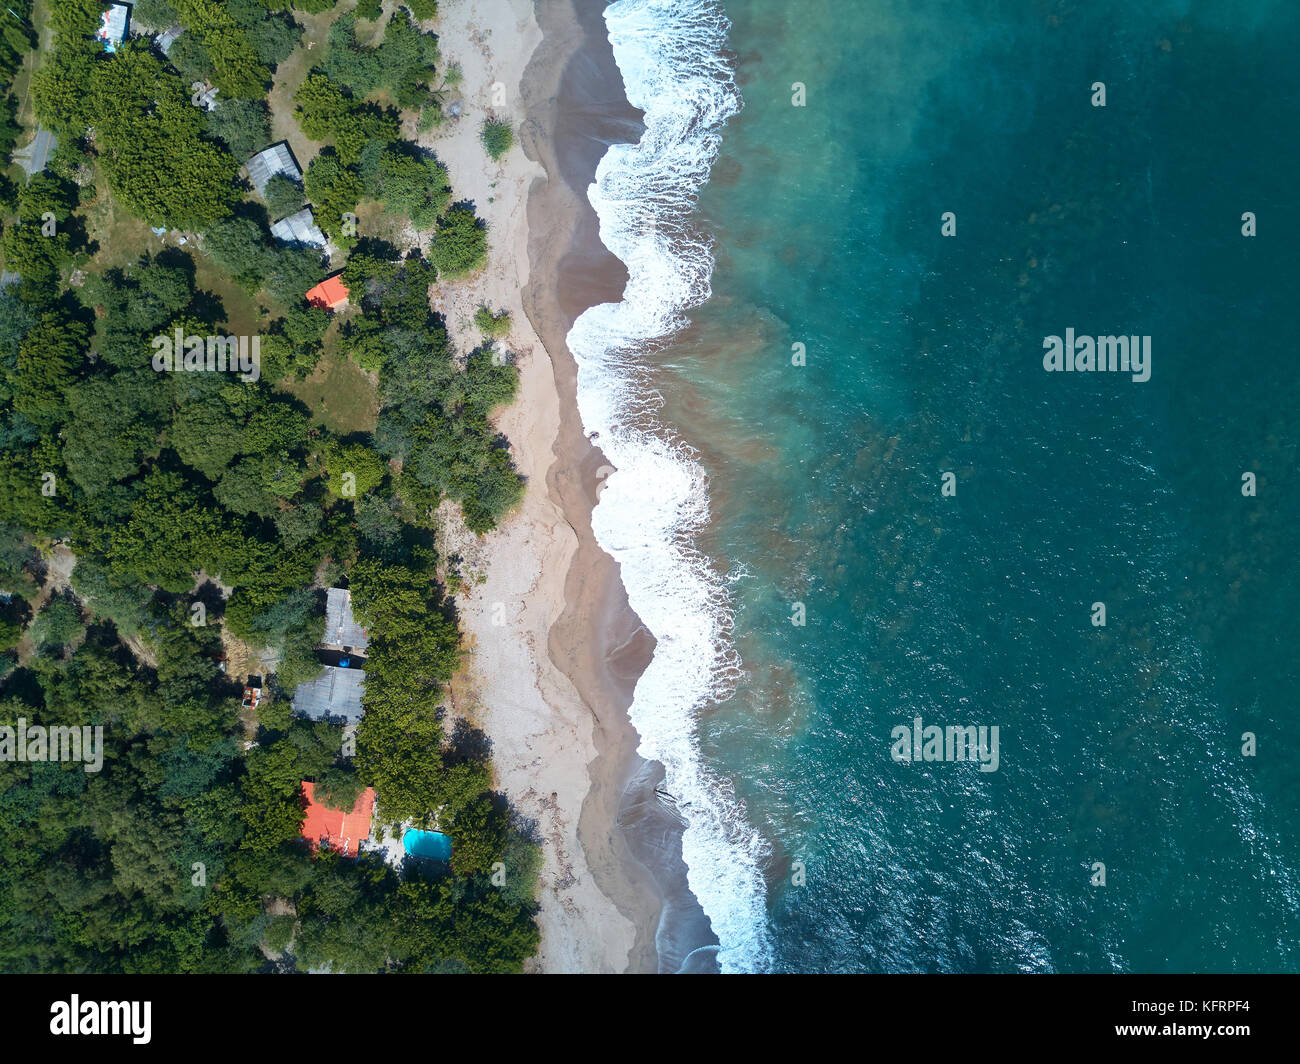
671	55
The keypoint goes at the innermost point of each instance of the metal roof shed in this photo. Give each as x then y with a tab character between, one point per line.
299	228
334	695
266	164
341	628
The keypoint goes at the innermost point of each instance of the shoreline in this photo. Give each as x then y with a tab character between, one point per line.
540	728
577	108
554	648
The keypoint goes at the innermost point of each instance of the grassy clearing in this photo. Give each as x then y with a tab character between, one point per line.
244	315
124	238
23	79
374	222
121	236
22	82
341	395
289	77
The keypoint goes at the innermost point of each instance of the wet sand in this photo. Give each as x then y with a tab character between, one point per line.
631	835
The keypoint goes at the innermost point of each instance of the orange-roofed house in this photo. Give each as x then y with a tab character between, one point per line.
331	293
334	828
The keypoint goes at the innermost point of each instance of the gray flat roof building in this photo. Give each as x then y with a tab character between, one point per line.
341	628
168	37
335	694
33	157
277	159
299	228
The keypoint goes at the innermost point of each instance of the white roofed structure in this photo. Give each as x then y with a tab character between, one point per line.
113	25
341	628
277	159
300	228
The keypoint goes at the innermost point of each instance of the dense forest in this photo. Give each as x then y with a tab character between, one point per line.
151	520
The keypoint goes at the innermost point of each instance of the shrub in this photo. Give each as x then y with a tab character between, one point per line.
423	9
279	933
497	137
431	117
157	14
10	633
58	624
459	244
283	196
366	468
244	125
413	187
492	326
334	190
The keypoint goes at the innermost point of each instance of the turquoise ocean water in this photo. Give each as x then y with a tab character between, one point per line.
1120	745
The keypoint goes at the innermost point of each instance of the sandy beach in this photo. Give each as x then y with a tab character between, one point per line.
555	650
536	680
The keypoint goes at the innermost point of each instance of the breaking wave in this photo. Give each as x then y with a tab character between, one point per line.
671	54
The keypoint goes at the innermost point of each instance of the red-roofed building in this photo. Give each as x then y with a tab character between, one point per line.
334	828
331	293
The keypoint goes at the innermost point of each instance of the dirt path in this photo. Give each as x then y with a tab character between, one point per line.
59	563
